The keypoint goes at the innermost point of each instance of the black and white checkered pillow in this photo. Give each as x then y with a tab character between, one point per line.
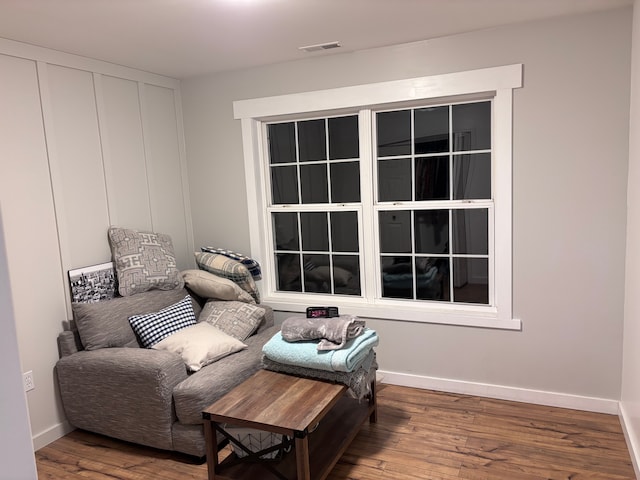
153	327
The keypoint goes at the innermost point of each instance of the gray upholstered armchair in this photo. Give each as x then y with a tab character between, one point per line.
110	384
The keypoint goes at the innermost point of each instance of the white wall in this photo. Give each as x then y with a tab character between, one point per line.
16	448
83	145
570	167
630	400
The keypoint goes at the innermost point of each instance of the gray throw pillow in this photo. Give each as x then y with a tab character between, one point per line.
144	261
208	285
106	324
234	318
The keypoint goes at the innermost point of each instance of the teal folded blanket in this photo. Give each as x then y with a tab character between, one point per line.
306	354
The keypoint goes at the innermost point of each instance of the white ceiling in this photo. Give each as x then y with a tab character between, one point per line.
183	38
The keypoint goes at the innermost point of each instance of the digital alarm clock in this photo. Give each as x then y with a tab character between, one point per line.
322	312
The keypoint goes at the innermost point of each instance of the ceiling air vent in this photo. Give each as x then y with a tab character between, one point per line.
320	46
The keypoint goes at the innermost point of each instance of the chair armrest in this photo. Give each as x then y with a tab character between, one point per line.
268	320
125	393
69	343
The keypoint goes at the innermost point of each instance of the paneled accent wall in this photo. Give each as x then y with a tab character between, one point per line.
83	145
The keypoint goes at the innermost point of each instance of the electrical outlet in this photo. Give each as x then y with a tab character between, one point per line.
28	381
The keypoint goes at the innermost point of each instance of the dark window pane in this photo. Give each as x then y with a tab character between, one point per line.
432	178
397	277
285	228
346	274
472	176
394	133
471	280
431	130
395	231
312	141
315	231
284	185
345	182
288	272
471	126
470	231
346	277
432	278
317	277
432	231
282	143
394	180
344	231
313	182
343	137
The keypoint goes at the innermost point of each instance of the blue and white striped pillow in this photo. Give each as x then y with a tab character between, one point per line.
153	327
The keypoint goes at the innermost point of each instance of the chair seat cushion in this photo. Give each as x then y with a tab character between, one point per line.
201	389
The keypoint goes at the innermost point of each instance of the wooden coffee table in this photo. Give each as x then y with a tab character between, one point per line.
292	406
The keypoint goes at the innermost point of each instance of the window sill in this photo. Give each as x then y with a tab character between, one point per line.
464	315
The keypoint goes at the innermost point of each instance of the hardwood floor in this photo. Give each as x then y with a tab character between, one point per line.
420	434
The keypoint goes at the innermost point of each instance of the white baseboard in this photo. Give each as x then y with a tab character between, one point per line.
632	440
539	397
43	439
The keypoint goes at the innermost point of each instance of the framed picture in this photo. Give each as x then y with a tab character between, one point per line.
93	284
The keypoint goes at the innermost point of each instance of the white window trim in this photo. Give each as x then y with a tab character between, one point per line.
499	80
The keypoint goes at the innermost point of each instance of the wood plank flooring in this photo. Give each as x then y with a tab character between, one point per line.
420	435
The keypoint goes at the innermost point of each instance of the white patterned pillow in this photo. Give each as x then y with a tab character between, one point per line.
144	261
154	327
200	345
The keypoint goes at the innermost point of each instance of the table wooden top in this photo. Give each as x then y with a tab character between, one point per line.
276	402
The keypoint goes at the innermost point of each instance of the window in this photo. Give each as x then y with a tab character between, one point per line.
387	200
315	164
433	240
